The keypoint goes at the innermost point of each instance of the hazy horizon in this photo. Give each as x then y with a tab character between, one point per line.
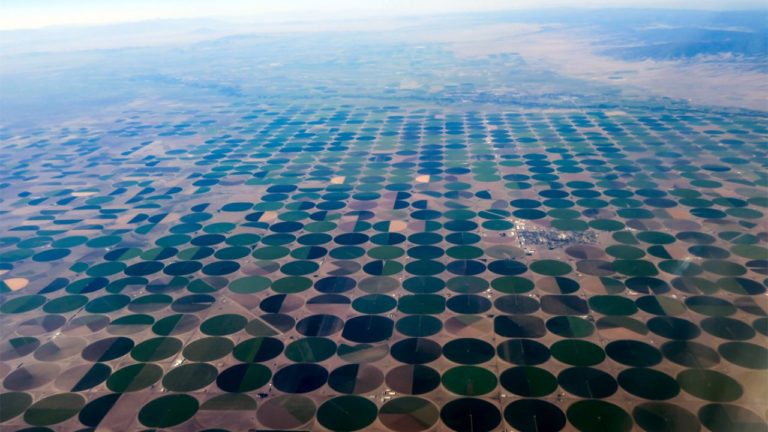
29	15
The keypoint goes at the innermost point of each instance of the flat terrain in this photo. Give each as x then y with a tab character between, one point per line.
462	224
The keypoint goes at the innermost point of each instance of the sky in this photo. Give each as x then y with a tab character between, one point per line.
27	14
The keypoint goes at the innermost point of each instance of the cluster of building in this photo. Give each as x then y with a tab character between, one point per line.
528	236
